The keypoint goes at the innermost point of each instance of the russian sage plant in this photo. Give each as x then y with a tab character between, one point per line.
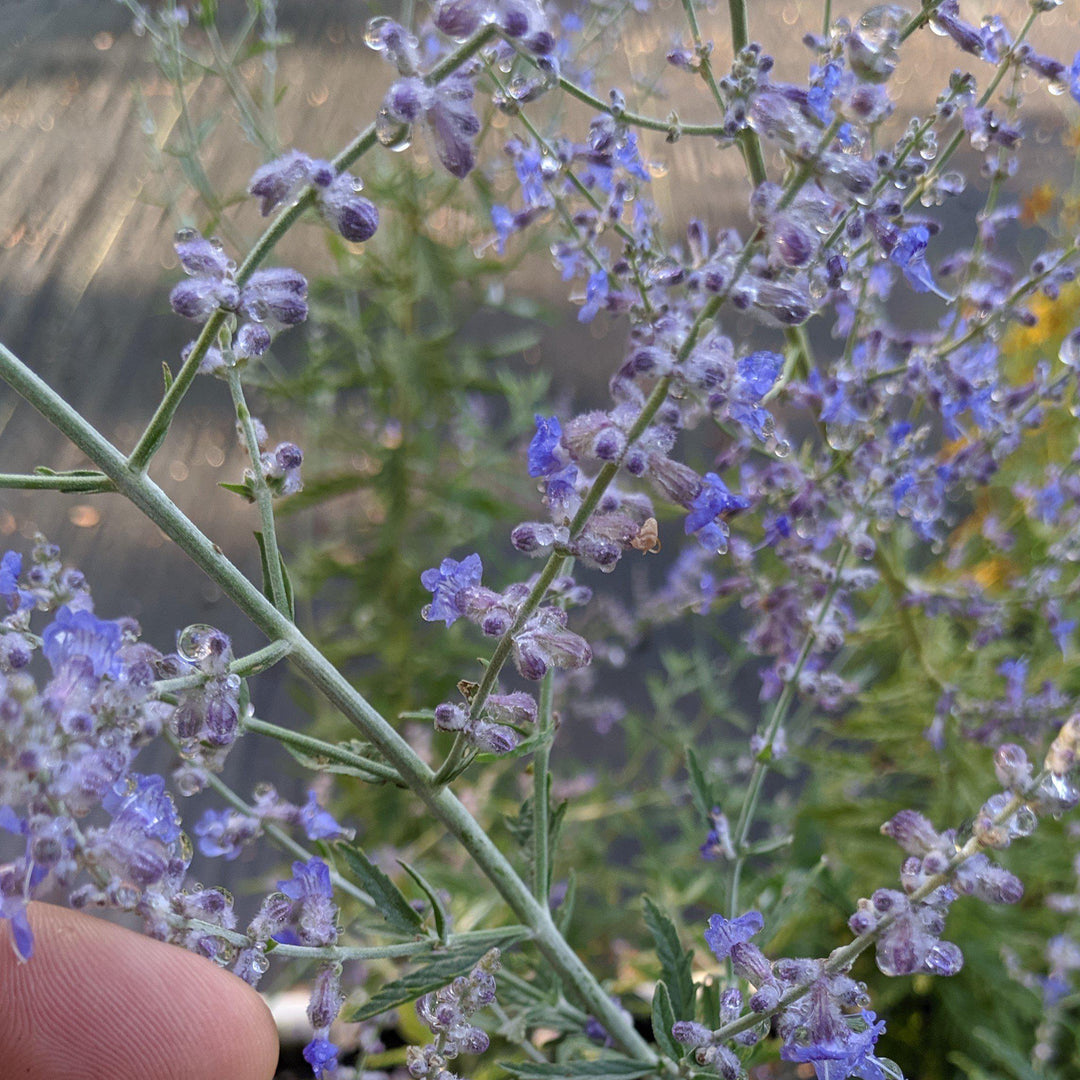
868	507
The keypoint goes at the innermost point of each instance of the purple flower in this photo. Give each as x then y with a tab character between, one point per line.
276	296
445	583
758	373
13	908
318	823
281	180
842	1054
321	1054
596	292
457	18
909	254
80	635
141	804
723	934
10	569
314	912
348	212
544	458
713	500
447	113
224	833
821	94
1074	78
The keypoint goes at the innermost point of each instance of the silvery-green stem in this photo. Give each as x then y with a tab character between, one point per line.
414	771
86	483
264	498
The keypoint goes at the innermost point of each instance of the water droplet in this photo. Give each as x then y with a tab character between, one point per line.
782	448
125	896
216	243
391	133
842	436
125	786
260	963
1056	87
373	32
1023	822
188	782
658	169
185	236
1069	354
665	271
193	642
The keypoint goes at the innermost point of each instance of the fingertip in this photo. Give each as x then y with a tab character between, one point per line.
100	1000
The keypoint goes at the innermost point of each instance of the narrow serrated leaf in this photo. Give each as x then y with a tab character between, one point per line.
317	764
264	560
674	960
290	600
239	489
520	826
605	1068
389	899
663	1019
565	912
438	909
457	960
703	797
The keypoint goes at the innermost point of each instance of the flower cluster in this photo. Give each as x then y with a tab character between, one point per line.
542	641
497	728
268	302
280	467
337	195
447	1014
821	1012
226	833
68	749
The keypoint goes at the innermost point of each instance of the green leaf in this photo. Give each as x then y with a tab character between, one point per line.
674	961
555	824
166	374
663	1019
703	797
566	909
389	899
605	1068
457	960
339	768
263	558
1007	1055
239	489
521	826
438	909
290	599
